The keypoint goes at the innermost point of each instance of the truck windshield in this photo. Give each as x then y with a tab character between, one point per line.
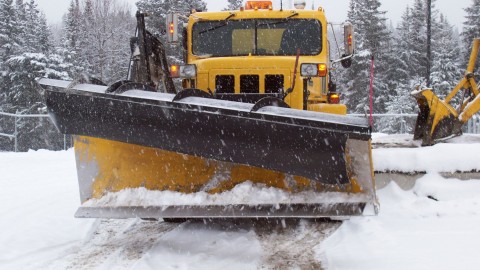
257	37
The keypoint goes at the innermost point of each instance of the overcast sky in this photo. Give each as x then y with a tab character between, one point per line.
336	10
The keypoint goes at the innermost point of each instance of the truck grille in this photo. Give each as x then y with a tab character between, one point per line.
273	83
249	84
225	84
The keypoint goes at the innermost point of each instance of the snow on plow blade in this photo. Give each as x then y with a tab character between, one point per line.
209	156
302	210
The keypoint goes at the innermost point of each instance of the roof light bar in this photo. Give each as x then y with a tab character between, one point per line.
258	5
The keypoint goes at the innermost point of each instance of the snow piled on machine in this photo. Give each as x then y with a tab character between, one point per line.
245	193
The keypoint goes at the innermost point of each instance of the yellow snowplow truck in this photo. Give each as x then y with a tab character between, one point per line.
438	119
257	129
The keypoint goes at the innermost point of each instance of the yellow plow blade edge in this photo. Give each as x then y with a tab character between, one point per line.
121	180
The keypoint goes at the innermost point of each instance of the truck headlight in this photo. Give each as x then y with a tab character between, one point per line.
313	70
188	71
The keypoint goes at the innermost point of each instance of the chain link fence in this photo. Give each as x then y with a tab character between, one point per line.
21	132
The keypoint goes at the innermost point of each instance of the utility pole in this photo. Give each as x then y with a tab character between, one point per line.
429	41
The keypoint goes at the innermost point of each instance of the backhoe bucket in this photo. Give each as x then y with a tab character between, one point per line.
157	155
436	119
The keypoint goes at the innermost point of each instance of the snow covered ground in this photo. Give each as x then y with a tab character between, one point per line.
432	226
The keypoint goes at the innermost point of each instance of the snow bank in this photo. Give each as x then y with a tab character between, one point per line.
38	196
433	226
460	154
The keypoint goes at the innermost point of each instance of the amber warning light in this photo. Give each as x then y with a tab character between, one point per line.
172	26
258	5
174	71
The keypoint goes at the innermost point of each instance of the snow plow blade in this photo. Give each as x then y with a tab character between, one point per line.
136	149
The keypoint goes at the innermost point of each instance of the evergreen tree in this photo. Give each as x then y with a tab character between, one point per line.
9	30
72	40
158	9
471	29
372	37
26	55
446	71
10	44
234	5
30	60
96	39
21	21
36	31
418	40
44	45
23	69
400	81
155	23
403	50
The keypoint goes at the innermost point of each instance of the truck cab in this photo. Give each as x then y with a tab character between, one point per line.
256	52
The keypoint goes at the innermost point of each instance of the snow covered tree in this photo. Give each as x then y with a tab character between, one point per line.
398	78
9	30
446	70
471	29
21	22
25	55
158	9
155	23
72	40
234	5
108	28
36	33
410	61
30	59
372	38
23	70
418	40
96	39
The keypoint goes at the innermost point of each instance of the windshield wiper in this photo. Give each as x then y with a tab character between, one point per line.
279	21
222	24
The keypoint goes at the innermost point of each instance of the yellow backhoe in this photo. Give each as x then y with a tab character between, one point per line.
438	119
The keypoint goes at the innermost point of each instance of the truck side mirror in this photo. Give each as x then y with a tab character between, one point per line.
349	39
172	27
349	44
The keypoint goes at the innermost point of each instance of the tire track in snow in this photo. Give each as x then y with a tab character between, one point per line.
120	244
290	244
114	244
